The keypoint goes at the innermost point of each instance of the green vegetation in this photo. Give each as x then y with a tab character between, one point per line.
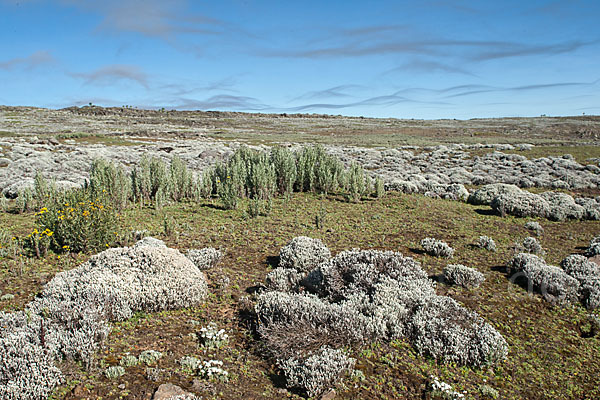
537	332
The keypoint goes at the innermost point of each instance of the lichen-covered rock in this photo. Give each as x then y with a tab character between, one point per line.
594	247
303	254
534	227
27	370
361	296
562	206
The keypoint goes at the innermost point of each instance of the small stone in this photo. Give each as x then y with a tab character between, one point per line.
79	391
121	386
329	395
168	390
595	259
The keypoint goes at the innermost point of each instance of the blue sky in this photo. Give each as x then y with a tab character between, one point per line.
405	59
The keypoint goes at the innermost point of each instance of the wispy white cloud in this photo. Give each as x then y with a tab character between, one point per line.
34	60
155	18
111	74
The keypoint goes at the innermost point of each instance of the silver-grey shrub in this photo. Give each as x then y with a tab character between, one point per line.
317	372
521	204
357	182
181	180
562	206
206	258
364	296
486	194
284	162
303	254
27	370
437	248
551	281
530	245
594	247
109	180
444	330
588	275
461	275
486	242
71	315
535	227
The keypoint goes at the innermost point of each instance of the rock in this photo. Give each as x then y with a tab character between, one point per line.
329	395
79	391
595	259
168	390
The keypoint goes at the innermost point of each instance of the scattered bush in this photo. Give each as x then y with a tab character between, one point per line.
594	247
114	372
210	369
530	245
128	361
303	254
535	227
552	282
317	372
588	275
150	356
444	390
206	258
489	392
485	242
437	248
458	274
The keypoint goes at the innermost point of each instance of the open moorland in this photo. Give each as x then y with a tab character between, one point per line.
297	256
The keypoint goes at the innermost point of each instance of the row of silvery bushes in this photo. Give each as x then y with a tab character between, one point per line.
248	174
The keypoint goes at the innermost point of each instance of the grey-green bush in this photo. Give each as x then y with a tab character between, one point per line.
461	275
110	181
437	248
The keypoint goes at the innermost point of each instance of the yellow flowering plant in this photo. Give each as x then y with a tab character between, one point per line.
78	222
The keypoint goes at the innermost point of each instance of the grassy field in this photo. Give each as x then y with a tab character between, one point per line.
550	355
